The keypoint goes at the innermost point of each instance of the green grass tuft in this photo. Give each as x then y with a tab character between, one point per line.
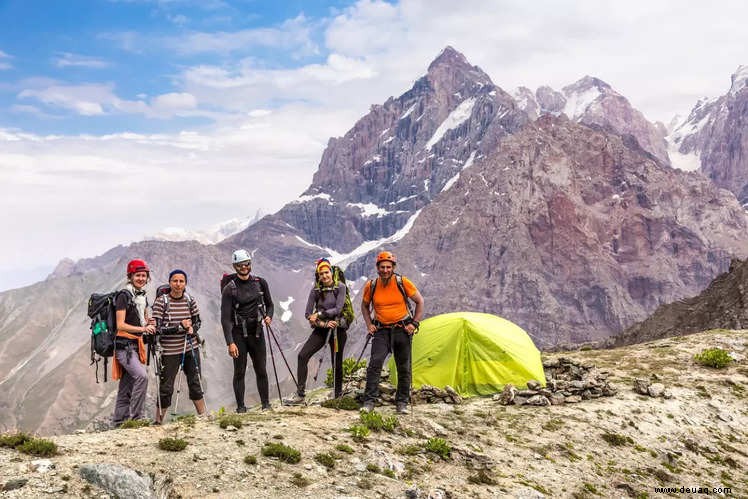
13	440
172	444
359	432
134	423
344	448
349	367
377	422
38	447
716	358
283	452
325	460
345	403
250	459
616	439
230	420
300	480
439	446
482	478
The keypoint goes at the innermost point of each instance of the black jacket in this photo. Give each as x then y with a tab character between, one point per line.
240	301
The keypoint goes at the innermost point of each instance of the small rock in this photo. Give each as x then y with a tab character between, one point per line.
438	429
507	395
534	385
520	400
54	490
656	389
538	400
413	492
668	394
573	399
641	386
526	493
438	494
308	467
231	428
42	465
557	399
14	484
80	432
578	385
118	480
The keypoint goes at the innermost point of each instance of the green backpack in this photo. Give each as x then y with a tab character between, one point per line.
338	276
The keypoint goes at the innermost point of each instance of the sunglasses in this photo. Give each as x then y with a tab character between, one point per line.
243	264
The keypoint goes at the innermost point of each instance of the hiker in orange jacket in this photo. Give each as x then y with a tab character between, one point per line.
392	328
133	322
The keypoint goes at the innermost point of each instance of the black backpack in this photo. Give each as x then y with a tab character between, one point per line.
103	315
338	276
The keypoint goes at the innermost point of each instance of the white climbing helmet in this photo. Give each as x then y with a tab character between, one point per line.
240	256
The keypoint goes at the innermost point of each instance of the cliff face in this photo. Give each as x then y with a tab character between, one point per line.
571	232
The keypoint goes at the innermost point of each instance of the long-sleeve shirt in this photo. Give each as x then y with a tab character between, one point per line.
327	302
248	294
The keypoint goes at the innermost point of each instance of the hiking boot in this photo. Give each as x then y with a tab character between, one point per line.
401	408
266	406
368	406
241	409
295	399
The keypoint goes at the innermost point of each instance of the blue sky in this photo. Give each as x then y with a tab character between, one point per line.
132	106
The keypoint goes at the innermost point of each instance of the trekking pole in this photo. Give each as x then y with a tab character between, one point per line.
198	368
272	358
179	381
288	366
322	355
410	375
263	313
153	352
366	344
333	361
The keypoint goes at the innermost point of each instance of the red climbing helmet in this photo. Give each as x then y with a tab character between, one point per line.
137	266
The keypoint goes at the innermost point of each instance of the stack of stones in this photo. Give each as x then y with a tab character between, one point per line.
354	386
567	382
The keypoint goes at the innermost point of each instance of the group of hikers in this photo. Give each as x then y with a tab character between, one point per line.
173	322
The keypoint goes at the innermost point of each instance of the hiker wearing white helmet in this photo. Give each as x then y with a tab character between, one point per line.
245	303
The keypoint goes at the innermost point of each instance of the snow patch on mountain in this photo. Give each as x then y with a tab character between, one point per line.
578	102
369	209
452	180
739	80
286	307
456	118
308	197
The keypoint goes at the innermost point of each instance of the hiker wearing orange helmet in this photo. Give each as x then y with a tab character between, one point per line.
392	327
133	322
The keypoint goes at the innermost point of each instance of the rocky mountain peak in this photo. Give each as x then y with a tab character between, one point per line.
587	83
739	80
452	70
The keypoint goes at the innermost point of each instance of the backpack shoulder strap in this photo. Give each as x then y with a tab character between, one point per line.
372	287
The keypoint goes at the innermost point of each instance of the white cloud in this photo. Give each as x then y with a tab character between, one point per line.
4	64
96	99
67	59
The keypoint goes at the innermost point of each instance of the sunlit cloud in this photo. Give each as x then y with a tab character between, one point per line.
66	59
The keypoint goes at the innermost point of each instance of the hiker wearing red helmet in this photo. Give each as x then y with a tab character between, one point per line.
392	327
133	322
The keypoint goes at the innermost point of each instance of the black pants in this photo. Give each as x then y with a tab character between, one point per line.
170	369
386	340
313	345
254	346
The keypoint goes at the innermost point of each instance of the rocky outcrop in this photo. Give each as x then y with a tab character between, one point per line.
722	305
713	138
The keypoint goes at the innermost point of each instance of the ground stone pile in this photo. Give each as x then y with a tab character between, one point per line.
355	383
567	382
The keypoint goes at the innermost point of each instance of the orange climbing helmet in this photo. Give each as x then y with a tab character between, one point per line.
386	256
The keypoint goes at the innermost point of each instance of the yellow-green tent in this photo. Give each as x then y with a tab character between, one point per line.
474	353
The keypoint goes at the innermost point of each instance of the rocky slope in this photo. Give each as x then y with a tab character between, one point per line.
621	446
713	138
722	305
